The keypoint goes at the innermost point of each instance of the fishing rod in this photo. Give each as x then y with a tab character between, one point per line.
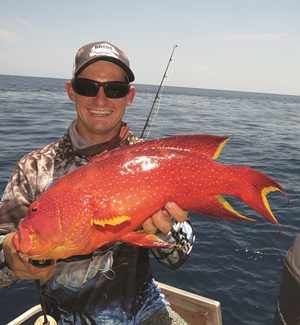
148	124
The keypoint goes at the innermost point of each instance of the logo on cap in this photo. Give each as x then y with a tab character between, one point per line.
105	50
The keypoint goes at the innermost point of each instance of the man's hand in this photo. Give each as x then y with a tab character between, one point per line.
21	268
161	220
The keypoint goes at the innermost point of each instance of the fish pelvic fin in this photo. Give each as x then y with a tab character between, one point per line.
141	238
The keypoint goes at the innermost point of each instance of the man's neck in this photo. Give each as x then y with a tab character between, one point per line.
95	138
87	148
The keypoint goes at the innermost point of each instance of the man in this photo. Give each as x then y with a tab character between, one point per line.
288	306
114	284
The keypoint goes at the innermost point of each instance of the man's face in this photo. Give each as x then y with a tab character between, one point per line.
99	118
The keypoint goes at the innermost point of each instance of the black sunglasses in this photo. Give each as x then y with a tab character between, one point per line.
90	88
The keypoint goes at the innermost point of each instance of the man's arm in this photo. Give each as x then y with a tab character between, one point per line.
20	268
7	277
14	204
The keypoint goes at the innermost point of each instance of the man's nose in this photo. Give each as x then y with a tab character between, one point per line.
101	98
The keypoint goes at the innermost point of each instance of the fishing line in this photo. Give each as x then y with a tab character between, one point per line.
43	304
156	102
156	107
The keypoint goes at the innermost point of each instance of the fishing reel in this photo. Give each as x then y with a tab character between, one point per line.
182	235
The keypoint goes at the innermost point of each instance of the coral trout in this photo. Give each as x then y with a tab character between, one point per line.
110	197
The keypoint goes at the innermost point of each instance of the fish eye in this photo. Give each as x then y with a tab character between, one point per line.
34	209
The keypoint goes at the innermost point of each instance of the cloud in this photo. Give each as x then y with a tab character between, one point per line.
13	29
252	37
7	35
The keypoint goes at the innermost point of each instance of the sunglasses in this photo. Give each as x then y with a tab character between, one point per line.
90	88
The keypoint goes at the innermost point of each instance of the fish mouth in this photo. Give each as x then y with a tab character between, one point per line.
41	263
27	245
16	241
23	242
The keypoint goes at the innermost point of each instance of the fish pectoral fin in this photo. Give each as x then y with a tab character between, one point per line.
141	238
112	221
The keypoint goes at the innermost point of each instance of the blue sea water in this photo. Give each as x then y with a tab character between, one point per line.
236	263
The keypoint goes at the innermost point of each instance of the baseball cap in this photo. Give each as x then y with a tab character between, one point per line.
104	51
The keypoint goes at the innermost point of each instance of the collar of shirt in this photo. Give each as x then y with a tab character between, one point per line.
83	147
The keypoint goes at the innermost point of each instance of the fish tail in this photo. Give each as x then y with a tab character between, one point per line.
255	190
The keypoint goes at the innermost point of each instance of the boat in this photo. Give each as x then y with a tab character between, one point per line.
193	308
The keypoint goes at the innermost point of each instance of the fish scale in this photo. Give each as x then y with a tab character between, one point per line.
110	197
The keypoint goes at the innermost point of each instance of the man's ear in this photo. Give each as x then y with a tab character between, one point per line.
70	91
130	96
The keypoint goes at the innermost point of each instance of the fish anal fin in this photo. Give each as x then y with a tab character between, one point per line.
141	238
229	210
217	206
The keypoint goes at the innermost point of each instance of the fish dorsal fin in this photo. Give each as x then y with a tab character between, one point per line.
208	146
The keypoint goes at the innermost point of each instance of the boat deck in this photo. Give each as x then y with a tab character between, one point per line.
195	309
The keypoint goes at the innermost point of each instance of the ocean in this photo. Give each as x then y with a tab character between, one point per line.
236	263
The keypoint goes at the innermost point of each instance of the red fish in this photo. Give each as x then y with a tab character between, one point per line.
110	197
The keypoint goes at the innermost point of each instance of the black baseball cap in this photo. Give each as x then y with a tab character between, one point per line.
101	50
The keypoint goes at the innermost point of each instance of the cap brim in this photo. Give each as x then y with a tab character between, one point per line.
116	61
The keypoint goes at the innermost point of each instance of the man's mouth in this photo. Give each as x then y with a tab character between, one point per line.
97	112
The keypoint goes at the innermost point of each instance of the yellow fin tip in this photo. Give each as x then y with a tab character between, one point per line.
220	148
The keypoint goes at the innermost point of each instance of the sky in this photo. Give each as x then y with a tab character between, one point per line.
242	45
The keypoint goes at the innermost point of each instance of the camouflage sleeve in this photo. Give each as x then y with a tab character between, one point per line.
15	201
13	207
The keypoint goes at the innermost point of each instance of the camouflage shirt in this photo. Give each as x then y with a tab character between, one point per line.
114	283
